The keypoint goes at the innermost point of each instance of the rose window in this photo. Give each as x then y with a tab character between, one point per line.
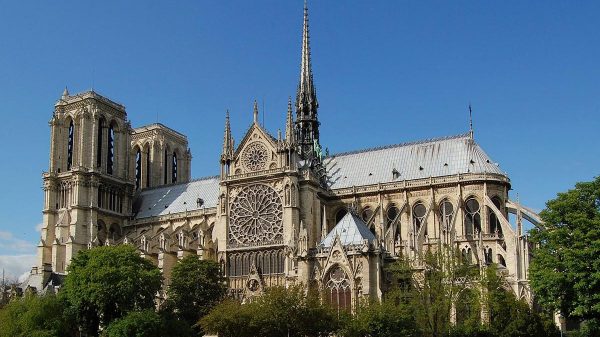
255	157
256	217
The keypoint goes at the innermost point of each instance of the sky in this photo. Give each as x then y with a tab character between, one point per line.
386	72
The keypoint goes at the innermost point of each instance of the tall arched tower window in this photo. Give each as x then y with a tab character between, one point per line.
138	169
338	287
100	140
70	145
166	167
148	167
110	156
174	170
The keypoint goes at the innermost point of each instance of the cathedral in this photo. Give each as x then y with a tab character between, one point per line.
281	211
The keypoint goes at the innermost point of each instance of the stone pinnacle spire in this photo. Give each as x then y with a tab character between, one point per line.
307	123
227	141
255	112
289	124
65	93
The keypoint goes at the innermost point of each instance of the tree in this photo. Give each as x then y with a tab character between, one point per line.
196	287
146	323
34	315
279	312
565	269
430	285
386	319
105	283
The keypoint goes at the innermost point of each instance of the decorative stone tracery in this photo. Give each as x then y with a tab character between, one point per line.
255	156
256	217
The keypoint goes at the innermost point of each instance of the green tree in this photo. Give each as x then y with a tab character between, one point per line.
146	323
565	269
39	316
105	283
428	286
196	287
279	312
386	319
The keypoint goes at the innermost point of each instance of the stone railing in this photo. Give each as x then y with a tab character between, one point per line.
423	182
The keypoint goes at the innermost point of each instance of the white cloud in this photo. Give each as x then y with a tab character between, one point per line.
16	266
8	242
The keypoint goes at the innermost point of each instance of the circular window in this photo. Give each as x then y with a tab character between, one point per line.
255	156
256	217
392	213
367	213
472	206
419	210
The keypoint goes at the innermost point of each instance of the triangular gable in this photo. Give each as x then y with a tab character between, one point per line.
255	128
351	230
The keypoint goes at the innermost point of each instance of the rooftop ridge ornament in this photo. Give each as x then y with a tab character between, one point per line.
470	121
255	112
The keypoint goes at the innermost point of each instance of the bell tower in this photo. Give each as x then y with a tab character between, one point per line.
87	189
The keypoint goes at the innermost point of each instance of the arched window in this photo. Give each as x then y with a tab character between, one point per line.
138	169
419	212
472	217
468	307
166	167
392	217
340	214
488	255
148	167
501	261
238	265
338	288
495	226
446	214
70	145
366	215
110	155
174	170
100	140
280	262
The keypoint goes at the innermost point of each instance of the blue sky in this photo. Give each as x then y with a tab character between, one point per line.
386	72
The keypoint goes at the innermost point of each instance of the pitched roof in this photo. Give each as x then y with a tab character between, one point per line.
177	198
424	159
351	229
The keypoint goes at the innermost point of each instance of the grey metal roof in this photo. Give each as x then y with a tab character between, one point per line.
177	198
429	158
351	229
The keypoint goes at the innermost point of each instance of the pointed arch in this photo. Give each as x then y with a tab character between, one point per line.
338	288
70	143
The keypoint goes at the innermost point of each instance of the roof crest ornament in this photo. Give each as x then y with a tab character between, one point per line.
470	121
255	112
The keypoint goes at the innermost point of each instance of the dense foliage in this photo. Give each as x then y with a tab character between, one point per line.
565	270
279	312
106	283
196	286
37	316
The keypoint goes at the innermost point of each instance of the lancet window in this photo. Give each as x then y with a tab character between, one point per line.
392	219
174	168
472	217
340	214
419	212
494	222
446	214
70	145
268	262
148	167
339	289
138	169
100	139
110	155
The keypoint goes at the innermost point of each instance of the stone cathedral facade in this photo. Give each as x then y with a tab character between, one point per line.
280	211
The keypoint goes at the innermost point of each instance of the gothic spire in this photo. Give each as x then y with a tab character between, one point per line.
289	124
65	93
307	123
227	141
